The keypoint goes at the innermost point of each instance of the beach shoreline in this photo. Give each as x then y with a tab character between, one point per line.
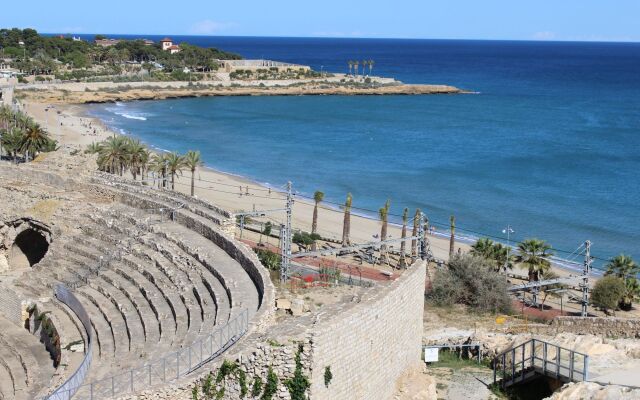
76	129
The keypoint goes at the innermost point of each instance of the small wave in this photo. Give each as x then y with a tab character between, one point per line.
130	116
118	104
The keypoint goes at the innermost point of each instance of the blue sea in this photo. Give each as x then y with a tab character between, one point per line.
549	144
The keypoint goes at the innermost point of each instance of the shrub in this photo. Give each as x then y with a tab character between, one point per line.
607	293
327	376
271	386
470	280
304	238
299	384
269	259
256	388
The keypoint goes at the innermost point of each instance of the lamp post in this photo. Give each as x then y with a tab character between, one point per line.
508	231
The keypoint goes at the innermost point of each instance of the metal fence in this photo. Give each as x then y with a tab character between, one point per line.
168	368
71	385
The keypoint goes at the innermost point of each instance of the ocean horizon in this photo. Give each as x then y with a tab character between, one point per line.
549	145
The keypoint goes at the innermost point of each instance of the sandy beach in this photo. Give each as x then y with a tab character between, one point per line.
74	130
69	124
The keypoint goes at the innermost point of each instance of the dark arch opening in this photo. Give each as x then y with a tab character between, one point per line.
29	244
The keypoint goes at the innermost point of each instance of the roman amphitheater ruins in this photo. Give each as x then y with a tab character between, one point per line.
109	288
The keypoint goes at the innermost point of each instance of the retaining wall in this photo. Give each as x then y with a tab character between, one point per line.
370	345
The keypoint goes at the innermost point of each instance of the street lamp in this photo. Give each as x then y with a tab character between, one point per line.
508	231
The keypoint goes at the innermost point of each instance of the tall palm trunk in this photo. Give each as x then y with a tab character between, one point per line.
346	224
414	242
403	244
173	181
193	177
384	216
318	196
452	239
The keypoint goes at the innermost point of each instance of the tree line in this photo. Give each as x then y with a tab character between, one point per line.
119	154
354	66
35	54
21	136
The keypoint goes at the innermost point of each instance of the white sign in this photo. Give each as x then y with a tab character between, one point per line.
431	354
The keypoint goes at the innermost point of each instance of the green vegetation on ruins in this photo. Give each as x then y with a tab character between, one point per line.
69	59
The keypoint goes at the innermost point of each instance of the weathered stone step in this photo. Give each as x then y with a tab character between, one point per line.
179	309
97	307
158	303
148	318
32	354
133	324
242	290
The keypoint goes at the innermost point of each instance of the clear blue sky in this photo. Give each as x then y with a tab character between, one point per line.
597	20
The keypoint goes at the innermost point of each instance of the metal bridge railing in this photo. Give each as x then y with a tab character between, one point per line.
166	369
542	358
71	385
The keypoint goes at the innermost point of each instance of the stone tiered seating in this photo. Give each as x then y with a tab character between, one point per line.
25	365
149	285
154	270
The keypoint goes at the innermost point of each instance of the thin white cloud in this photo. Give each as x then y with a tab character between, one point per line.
209	27
544	35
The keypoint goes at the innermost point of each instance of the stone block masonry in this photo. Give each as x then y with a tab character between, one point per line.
370	345
367	344
11	305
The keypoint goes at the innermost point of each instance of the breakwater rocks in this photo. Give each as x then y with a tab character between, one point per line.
79	93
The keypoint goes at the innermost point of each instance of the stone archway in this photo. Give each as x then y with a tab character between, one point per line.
24	243
28	249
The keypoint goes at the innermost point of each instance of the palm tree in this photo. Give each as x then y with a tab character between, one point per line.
158	165
12	140
371	62
364	65
534	255
403	244
414	233
137	157
318	196
35	139
483	247
356	65
192	160
93	148
452	239
175	163
113	155
503	257
384	217
625	268
346	224
350	66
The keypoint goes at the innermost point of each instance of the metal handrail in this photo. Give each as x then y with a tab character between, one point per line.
168	368
73	383
518	363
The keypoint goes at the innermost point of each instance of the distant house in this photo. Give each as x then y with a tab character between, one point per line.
148	42
107	42
167	45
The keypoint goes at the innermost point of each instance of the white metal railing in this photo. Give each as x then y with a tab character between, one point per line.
537	357
71	385
166	369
